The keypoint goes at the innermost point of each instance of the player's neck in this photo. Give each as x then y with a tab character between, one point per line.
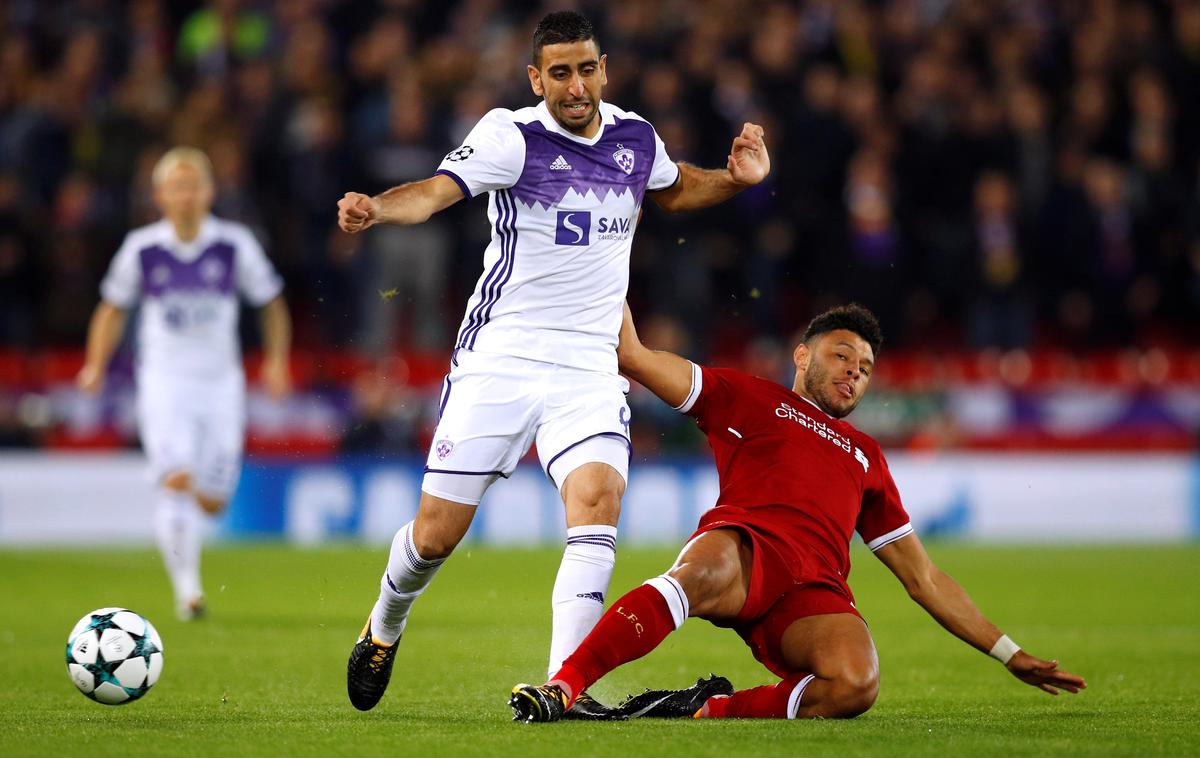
590	130
187	231
799	390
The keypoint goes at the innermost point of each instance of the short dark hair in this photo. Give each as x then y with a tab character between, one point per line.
558	27
853	318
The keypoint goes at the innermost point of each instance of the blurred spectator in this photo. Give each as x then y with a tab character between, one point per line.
1000	312
385	417
873	243
222	33
895	128
406	265
16	301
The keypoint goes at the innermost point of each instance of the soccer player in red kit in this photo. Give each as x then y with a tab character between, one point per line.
771	559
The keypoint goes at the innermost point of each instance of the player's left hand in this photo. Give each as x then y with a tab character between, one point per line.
276	378
1045	675
748	161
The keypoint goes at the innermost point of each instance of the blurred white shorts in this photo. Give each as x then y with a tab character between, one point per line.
196	425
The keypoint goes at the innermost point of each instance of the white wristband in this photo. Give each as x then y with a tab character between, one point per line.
1004	649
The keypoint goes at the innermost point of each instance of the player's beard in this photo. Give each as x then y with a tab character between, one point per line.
571	123
818	383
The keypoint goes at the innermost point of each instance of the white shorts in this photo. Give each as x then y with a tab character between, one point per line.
194	425
493	407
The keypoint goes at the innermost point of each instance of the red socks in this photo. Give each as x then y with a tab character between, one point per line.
772	701
634	625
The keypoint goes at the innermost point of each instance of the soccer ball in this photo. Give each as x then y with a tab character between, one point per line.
114	655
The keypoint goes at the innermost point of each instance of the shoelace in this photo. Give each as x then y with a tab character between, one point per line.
377	659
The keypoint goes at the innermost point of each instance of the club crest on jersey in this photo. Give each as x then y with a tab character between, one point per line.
573	228
624	158
160	275
443	449
861	457
211	270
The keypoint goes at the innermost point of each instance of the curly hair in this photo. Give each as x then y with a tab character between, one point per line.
559	27
853	318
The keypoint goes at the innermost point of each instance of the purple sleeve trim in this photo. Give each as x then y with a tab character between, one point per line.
457	180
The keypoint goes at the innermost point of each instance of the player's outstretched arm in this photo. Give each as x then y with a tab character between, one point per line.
411	203
665	374
948	603
276	325
104	333
748	164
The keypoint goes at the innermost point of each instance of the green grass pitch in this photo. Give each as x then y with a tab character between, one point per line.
264	675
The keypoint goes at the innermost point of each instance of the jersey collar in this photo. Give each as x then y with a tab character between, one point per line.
606	119
191	249
823	413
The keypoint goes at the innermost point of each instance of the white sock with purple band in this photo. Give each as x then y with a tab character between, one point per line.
580	588
407	576
179	529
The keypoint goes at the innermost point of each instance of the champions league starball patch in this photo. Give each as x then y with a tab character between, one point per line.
624	158
443	448
461	154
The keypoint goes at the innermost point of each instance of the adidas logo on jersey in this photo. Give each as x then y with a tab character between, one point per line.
560	164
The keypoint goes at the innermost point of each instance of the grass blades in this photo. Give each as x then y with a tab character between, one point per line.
265	673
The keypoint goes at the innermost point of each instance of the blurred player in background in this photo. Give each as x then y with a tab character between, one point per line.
771	559
188	271
535	359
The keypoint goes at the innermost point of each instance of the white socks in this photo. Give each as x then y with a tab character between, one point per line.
580	587
578	597
407	576
673	593
793	705
179	529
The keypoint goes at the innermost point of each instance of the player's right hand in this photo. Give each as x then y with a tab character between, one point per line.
356	212
90	379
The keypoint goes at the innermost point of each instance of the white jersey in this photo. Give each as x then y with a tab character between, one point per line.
189	293
563	211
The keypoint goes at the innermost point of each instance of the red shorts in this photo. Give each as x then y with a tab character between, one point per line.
777	597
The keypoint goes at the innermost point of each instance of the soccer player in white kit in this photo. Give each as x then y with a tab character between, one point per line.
535	358
189	270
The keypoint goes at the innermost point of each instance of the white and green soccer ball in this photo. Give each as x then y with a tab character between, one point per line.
114	655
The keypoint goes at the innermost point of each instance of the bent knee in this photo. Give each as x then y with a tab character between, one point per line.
853	693
178	480
593	499
597	501
211	505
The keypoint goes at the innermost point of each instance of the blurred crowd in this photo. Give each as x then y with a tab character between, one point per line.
982	173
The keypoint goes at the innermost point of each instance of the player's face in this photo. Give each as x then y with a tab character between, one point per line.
185	195
570	79
834	371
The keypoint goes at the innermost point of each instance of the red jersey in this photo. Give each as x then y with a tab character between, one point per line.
799	477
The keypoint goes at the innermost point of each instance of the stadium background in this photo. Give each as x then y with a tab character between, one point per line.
1013	186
